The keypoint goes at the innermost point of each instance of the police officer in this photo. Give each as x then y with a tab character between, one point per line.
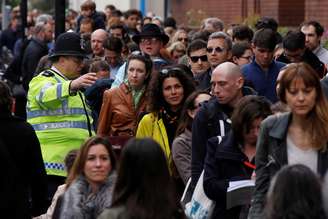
56	107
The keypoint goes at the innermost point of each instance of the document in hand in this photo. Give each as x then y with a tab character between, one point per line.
239	193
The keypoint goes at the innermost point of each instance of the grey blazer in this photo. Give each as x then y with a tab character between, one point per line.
271	155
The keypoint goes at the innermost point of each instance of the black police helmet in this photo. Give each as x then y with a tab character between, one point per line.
68	44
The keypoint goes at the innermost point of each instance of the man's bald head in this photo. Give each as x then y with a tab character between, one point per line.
228	68
226	83
98	37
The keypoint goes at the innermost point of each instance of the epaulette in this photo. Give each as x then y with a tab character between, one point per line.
47	73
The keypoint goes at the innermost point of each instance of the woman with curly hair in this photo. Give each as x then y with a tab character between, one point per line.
168	91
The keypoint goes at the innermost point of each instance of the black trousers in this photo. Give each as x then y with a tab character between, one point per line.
53	183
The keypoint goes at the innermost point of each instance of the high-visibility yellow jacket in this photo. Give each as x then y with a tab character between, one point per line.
59	119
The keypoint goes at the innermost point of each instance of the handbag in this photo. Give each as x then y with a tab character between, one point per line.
200	206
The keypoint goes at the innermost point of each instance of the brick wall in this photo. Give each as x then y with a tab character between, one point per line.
227	10
317	10
291	12
287	12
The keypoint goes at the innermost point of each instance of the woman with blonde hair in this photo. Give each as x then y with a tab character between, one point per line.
296	137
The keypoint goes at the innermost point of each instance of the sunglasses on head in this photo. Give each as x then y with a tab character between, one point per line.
196	58
217	49
166	71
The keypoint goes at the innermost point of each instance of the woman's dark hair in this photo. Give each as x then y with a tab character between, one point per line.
81	158
143	183
156	86
248	109
185	120
69	159
238	49
295	192
6	98
317	118
146	60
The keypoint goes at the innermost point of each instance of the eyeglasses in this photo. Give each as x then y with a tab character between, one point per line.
217	49
196	58
183	39
250	58
149	39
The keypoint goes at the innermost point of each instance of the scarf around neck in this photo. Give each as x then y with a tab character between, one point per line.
79	202
136	93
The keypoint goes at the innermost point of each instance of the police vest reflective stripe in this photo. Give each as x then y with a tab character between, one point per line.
60	125
56	166
57	112
58	118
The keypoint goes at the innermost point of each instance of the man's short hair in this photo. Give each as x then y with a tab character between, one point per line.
110	7
131	12
113	44
317	26
242	32
238	49
88	4
294	40
98	65
217	23
38	28
170	22
43	18
199	35
222	35
87	20
265	38
267	22
196	45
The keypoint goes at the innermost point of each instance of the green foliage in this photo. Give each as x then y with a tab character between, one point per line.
46	6
195	17
251	20
283	30
12	3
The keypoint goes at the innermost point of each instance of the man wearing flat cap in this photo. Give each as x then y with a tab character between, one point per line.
56	107
151	40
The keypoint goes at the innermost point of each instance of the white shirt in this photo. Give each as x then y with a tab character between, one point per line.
296	155
322	54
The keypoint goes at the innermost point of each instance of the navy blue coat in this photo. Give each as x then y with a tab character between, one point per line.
211	120
224	162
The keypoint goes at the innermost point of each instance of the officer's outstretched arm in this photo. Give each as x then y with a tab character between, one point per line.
83	81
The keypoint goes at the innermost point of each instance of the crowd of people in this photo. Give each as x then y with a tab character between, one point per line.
124	114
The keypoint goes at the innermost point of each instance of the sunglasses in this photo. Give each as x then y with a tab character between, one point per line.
183	39
217	49
196	58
